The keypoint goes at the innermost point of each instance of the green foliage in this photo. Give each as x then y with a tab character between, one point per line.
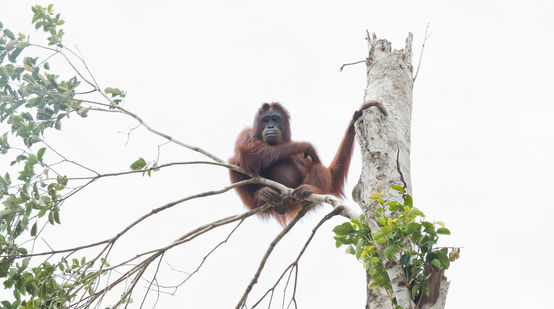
44	17
116	95
404	237
147	168
138	164
32	101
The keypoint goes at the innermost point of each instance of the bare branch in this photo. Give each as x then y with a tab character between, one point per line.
69	161
301	213
152	281
352	63
166	136
368	38
206	257
129	133
294	264
139	269
422	48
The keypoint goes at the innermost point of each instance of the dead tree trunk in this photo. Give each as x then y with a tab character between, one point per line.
385	147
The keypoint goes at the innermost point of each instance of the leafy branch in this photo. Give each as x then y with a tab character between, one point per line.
404	236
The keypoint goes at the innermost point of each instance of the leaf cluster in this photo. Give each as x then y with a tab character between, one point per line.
25	204
44	18
146	167
40	286
404	237
33	100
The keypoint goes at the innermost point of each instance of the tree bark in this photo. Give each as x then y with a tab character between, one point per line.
385	147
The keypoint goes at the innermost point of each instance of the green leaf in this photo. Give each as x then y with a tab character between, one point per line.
408	200
427	224
398	188
9	211
14	54
343	229
32	160
393	206
34	230
31	287
51	218
40	153
429	227
115	92
414	212
83	112
444	260
35	139
344	240
356	223
413	227
350	250
405	259
436	263
9	34
390	250
415	289
443	230
29	61
138	164
25	263
57	215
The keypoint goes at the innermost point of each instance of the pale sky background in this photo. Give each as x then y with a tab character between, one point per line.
482	134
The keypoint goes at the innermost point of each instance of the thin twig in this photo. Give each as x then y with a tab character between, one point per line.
160	150
206	257
139	268
352	63
153	279
294	265
301	213
421	53
67	160
166	136
129	133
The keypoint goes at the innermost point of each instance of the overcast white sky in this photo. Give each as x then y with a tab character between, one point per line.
482	133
